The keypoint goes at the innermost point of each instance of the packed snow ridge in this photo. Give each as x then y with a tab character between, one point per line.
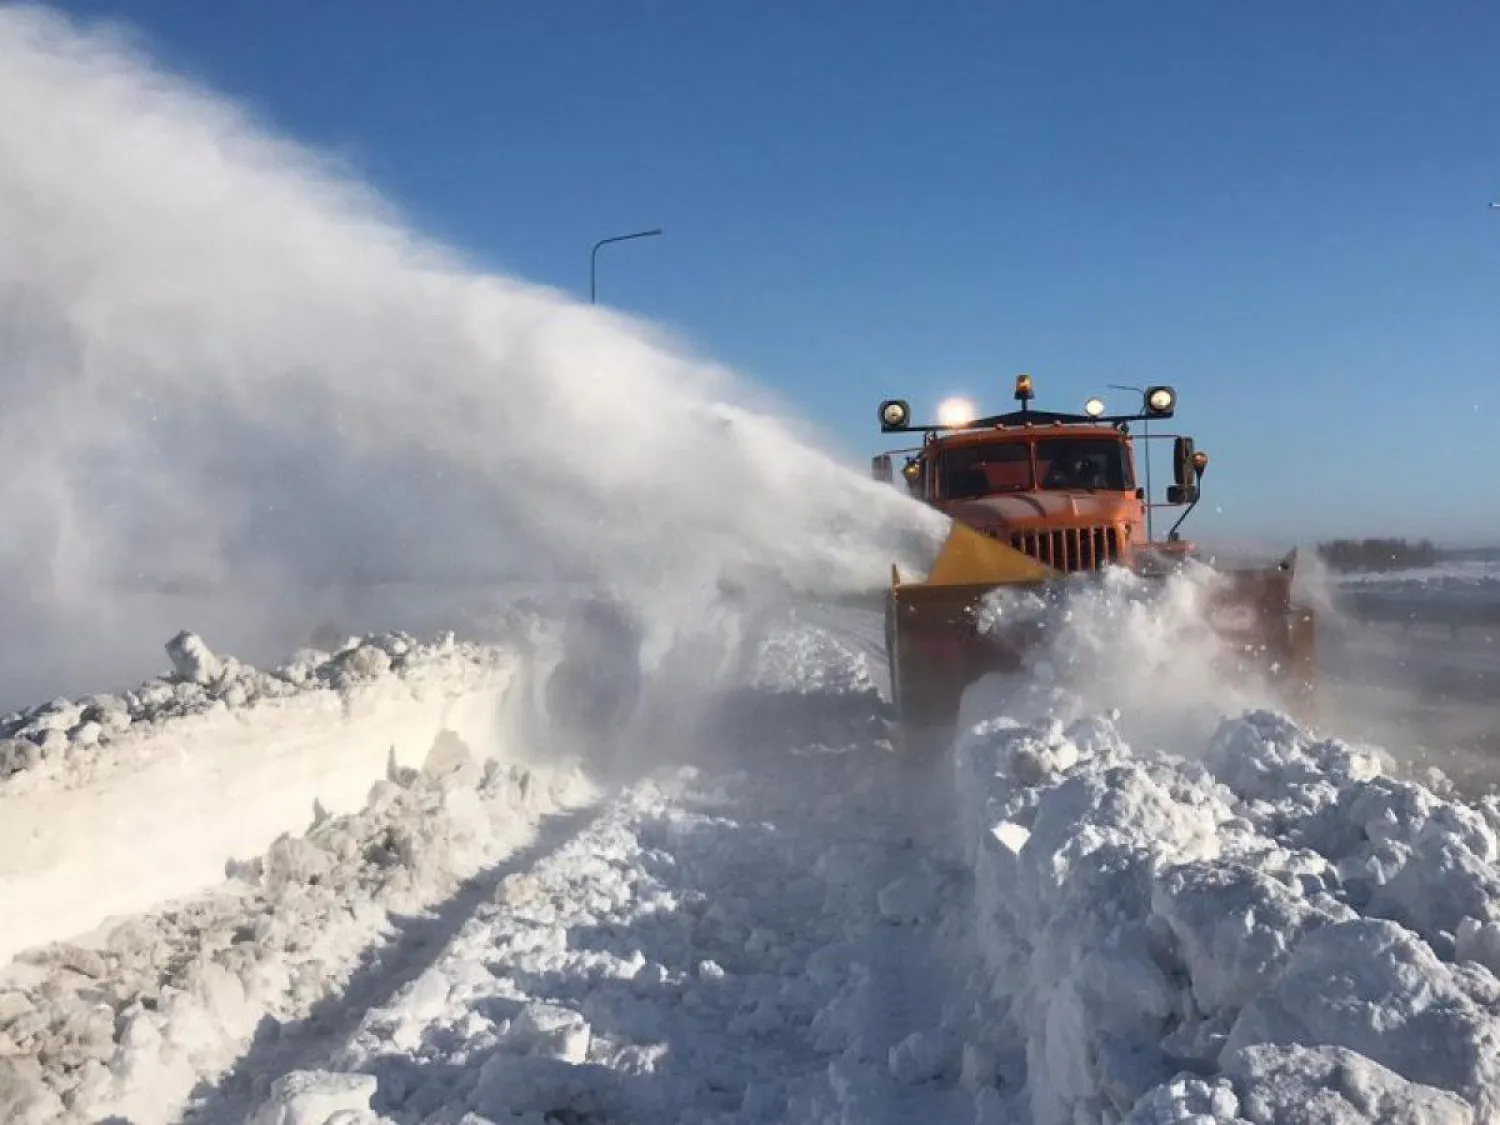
131	1019
1277	932
58	732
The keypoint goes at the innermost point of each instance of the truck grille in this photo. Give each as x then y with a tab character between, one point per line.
1070	548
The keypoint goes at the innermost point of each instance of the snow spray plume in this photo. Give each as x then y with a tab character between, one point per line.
1140	648
238	391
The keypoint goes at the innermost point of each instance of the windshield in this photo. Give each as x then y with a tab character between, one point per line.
1083	463
979	470
1061	463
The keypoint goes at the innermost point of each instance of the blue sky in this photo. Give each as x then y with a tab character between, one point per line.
1278	207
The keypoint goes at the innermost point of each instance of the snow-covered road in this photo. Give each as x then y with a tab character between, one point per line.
1082	914
700	953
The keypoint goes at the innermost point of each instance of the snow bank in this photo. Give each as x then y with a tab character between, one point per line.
1190	908
129	1023
116	803
1273	927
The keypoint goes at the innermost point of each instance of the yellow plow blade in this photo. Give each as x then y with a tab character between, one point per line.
933	643
935	648
971	559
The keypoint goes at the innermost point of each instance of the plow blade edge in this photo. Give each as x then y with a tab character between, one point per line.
936	649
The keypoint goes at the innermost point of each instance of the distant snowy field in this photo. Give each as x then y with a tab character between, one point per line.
1464	593
378	885
1463	574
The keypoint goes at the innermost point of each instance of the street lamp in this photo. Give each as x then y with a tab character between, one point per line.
1146	439
594	253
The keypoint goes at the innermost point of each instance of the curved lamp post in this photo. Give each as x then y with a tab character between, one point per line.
594	253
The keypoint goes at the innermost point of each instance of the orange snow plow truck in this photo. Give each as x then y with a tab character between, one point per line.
1039	500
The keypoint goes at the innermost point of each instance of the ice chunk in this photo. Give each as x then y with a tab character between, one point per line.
24	1097
192	659
1235	927
924	1056
1479	942
366	662
314	1097
552	1031
1375	988
1187	1101
911	898
1334	1086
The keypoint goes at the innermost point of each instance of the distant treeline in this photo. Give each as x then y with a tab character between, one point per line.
1380	554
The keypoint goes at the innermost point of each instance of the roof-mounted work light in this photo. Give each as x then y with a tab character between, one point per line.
895	414
1160	401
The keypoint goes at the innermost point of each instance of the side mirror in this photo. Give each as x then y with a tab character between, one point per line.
1182	494
1184	471
880	468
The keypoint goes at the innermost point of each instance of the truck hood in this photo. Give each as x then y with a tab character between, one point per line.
1077	509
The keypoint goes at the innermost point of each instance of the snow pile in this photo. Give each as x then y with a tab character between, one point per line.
267	401
1276	925
208	766
130	1020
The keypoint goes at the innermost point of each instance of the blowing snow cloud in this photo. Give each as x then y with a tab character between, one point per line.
232	375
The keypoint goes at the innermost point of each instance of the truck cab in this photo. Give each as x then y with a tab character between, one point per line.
1036	497
1061	488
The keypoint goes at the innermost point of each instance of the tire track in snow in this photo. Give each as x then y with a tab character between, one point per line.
900	1019
639	974
711	948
